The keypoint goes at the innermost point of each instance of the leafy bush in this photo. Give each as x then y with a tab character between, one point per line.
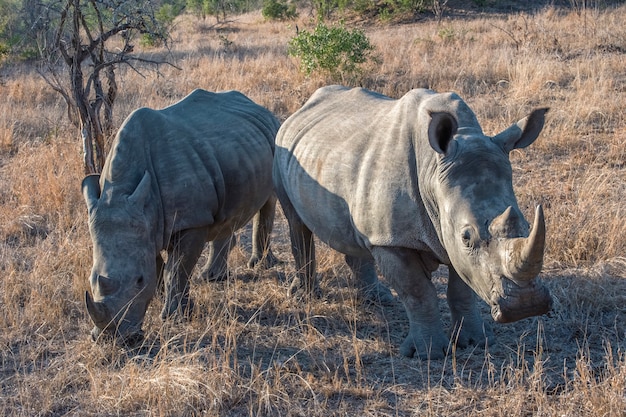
165	15
18	25
324	8
334	50
4	50
220	8
168	12
278	10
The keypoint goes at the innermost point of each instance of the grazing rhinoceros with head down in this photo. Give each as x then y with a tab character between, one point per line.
407	185
176	178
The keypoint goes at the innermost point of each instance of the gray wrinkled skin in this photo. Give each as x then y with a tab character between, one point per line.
408	185
174	179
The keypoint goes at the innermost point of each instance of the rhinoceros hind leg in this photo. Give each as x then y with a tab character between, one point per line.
467	328
410	277
364	271
216	267
262	224
305	283
183	253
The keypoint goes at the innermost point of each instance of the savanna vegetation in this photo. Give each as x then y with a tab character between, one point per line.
249	350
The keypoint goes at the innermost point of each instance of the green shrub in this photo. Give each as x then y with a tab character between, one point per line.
324	8
18	24
333	50
168	12
220	9
4	50
278	10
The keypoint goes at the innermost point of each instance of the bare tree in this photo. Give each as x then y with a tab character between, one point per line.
439	8
82	43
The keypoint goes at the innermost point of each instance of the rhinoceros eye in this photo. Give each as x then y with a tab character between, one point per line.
140	282
466	236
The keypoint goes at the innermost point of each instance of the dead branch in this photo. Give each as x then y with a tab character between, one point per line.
82	47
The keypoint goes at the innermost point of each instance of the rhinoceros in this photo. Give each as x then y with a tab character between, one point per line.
407	185
174	179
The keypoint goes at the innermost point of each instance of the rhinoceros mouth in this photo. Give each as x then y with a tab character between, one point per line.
129	340
513	302
133	340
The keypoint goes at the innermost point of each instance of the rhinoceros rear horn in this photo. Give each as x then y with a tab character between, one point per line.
141	193
91	190
97	311
441	130
525	258
504	223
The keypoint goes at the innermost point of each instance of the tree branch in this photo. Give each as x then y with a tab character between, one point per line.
79	39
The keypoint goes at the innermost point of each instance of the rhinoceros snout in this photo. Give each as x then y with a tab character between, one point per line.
96	332
130	341
518	303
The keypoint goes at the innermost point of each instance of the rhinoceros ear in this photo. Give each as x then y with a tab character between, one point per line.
139	197
523	133
91	190
441	130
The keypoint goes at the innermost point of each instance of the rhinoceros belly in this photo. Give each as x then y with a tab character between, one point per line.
327	215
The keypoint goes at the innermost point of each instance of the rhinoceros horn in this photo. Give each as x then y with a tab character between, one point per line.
524	256
504	224
106	286
97	311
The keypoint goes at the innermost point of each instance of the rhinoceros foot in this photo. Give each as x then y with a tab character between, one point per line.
215	274
426	348
301	291
264	262
471	333
178	309
377	293
516	302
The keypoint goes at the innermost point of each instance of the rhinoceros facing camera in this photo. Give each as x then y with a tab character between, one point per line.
407	185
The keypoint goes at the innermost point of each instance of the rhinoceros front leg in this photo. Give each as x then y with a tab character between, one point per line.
183	253
160	264
364	271
261	230
409	275
216	267
468	328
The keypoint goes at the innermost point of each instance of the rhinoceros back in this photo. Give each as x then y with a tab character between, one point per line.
209	155
349	165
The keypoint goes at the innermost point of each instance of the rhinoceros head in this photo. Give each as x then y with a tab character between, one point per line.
488	240
123	276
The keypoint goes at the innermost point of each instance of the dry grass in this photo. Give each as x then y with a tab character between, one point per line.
249	349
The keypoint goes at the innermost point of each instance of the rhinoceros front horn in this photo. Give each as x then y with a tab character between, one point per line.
525	255
97	311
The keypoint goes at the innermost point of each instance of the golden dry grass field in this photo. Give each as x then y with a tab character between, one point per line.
249	350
